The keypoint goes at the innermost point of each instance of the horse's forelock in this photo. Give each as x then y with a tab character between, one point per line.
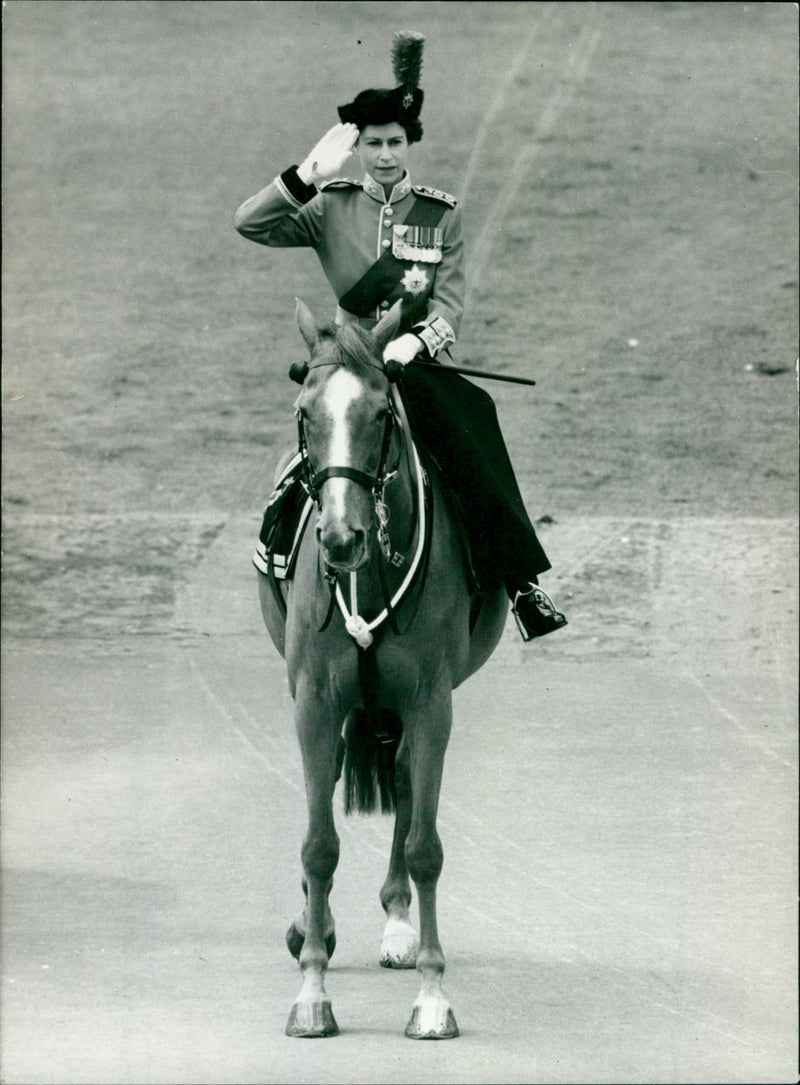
355	349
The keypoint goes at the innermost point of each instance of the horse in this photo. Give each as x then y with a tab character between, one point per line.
373	700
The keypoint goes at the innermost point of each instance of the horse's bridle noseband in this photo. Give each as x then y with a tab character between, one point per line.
375	484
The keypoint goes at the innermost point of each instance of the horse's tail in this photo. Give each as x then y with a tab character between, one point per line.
371	747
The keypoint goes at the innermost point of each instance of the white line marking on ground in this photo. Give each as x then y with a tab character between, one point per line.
497	102
578	63
494	857
229	719
343	823
741	727
696	1018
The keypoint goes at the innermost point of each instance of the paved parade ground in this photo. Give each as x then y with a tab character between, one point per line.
619	808
617	902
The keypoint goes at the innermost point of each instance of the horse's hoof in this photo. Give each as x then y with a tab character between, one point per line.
294	940
399	945
312	1020
432	1021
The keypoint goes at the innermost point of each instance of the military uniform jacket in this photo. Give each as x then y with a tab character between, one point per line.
351	224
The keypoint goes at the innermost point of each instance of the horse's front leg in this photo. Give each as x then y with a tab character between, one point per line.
295	936
400	944
318	726
428	732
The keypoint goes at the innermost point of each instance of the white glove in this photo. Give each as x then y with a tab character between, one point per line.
329	155
403	350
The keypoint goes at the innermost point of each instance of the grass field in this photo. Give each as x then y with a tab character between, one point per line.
631	215
655	202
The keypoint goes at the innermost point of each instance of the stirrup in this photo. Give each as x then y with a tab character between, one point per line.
535	613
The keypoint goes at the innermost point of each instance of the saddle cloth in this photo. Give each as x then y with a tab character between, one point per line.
284	523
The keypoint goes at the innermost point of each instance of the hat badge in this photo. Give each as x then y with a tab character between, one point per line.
408	100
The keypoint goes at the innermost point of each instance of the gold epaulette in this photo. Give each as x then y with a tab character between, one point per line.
435	194
341	182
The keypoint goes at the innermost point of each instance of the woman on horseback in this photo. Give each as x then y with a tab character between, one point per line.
381	239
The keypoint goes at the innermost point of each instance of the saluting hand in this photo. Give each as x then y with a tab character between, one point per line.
329	155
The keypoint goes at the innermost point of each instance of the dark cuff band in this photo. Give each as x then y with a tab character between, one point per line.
300	191
425	354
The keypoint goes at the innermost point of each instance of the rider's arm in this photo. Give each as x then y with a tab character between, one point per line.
286	213
289	212
439	328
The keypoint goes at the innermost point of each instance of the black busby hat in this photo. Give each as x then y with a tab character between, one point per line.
403	103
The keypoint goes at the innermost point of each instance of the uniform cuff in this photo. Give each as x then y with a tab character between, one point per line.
436	335
295	191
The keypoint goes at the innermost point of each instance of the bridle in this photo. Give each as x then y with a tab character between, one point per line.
374	484
416	570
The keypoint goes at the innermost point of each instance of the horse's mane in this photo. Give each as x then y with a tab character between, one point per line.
352	347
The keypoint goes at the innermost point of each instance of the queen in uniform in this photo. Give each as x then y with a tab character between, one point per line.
381	238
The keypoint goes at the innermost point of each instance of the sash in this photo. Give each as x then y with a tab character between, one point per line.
378	282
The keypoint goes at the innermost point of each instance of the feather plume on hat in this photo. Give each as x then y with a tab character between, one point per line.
407	48
400	104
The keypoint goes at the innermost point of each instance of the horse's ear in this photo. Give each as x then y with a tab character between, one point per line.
306	324
386	328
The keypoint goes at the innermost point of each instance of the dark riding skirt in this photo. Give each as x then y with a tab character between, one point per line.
456	424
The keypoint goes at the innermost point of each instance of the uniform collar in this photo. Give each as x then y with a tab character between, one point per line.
400	190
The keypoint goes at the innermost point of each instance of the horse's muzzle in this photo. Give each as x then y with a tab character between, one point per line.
344	549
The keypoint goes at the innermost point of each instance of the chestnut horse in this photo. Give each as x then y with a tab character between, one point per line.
355	646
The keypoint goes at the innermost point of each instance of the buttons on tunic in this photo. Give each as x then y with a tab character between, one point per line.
386	243
388	211
384	305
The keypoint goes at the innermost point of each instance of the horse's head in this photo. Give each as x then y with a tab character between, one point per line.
345	427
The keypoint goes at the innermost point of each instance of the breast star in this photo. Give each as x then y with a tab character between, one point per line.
415	280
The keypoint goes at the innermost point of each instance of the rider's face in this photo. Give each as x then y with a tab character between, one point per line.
384	152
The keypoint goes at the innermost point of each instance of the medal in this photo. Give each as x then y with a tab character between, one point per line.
418	243
415	281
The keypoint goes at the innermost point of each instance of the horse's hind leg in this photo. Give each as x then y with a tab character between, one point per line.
318	728
428	732
400	943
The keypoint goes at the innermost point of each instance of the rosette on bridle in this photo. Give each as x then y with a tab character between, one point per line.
401	104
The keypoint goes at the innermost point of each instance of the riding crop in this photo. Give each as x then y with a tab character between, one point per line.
391	372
